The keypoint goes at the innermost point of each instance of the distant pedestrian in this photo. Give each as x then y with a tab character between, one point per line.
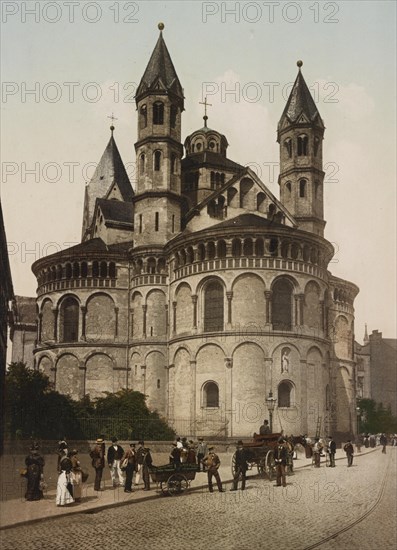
191	453
130	455
280	459
265	428
383	442
146	464
76	475
65	485
331	451
241	466
175	456
139	461
35	467
62	451
212	463
201	453
308	446
114	455
98	462
372	441
366	441
349	450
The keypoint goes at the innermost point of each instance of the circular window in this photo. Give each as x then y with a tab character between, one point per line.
212	144
198	146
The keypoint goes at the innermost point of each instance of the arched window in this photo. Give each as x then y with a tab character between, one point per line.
173	116
236	248
210	395
211	250
157	160
142	164
103	272
112	270
95	269
201	252
158	113
282	305
84	269
288	186
213	307
302	146
259	247
76	270
284	394
68	271
221	249
69	320
173	163
143	117
248	247
288	146
302	188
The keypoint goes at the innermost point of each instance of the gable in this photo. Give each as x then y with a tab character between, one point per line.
242	194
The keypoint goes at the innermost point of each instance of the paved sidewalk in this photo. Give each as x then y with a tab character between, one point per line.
18	511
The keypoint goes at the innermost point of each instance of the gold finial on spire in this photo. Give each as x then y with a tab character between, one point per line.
299	63
205	110
160	26
113	119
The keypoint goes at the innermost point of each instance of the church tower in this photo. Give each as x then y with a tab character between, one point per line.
300	135
160	102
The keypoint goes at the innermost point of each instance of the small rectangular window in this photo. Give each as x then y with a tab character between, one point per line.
173	223
156	221
140	223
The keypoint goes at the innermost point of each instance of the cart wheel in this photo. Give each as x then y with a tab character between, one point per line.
177	484
164	487
270	465
233	464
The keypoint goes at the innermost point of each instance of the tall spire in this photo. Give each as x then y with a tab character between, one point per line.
160	75
109	174
300	103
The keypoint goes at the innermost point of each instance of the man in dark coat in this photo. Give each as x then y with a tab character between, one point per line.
241	466
280	459
139	461
212	463
383	442
331	452
130	468
146	464
115	453
349	450
98	462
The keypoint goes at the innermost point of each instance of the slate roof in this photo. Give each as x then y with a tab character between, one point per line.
115	170
212	159
247	220
116	211
300	101
160	67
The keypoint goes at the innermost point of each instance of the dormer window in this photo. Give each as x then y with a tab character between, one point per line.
158	113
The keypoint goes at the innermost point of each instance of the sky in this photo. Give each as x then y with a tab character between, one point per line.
68	66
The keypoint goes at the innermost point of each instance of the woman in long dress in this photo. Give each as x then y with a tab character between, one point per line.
34	464
77	475
65	485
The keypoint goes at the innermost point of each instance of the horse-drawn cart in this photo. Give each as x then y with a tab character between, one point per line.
259	453
173	481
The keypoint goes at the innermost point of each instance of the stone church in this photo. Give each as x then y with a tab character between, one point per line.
199	287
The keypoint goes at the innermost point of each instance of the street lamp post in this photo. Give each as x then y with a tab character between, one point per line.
271	403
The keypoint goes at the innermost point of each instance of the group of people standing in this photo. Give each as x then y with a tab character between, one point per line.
71	476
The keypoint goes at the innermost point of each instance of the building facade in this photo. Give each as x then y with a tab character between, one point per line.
200	288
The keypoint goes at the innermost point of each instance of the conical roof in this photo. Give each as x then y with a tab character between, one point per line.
160	74
300	102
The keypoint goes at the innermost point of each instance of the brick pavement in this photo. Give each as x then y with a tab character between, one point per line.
314	502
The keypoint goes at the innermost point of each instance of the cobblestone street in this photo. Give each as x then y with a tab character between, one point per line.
315	505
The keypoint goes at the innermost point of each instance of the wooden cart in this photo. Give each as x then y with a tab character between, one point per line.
173	481
260	453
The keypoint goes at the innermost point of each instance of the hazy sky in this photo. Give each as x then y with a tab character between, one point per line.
66	66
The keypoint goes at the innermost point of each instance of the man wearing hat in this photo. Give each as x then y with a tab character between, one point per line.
212	463
130	455
115	453
349	450
139	461
280	458
98	461
201	453
241	466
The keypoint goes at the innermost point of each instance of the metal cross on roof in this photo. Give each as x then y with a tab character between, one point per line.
113	119
205	109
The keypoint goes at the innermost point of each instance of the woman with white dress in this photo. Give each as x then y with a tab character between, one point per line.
65	485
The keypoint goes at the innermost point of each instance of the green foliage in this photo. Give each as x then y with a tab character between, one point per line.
375	418
34	409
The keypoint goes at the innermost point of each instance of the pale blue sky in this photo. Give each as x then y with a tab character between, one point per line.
349	64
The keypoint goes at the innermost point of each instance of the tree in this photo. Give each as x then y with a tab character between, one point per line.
375	418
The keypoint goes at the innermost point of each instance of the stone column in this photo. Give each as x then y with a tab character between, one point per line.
83	310
144	309
55	311
229	296
193	397
174	304
39	326
167	323
194	300
268	298
116	322
229	396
